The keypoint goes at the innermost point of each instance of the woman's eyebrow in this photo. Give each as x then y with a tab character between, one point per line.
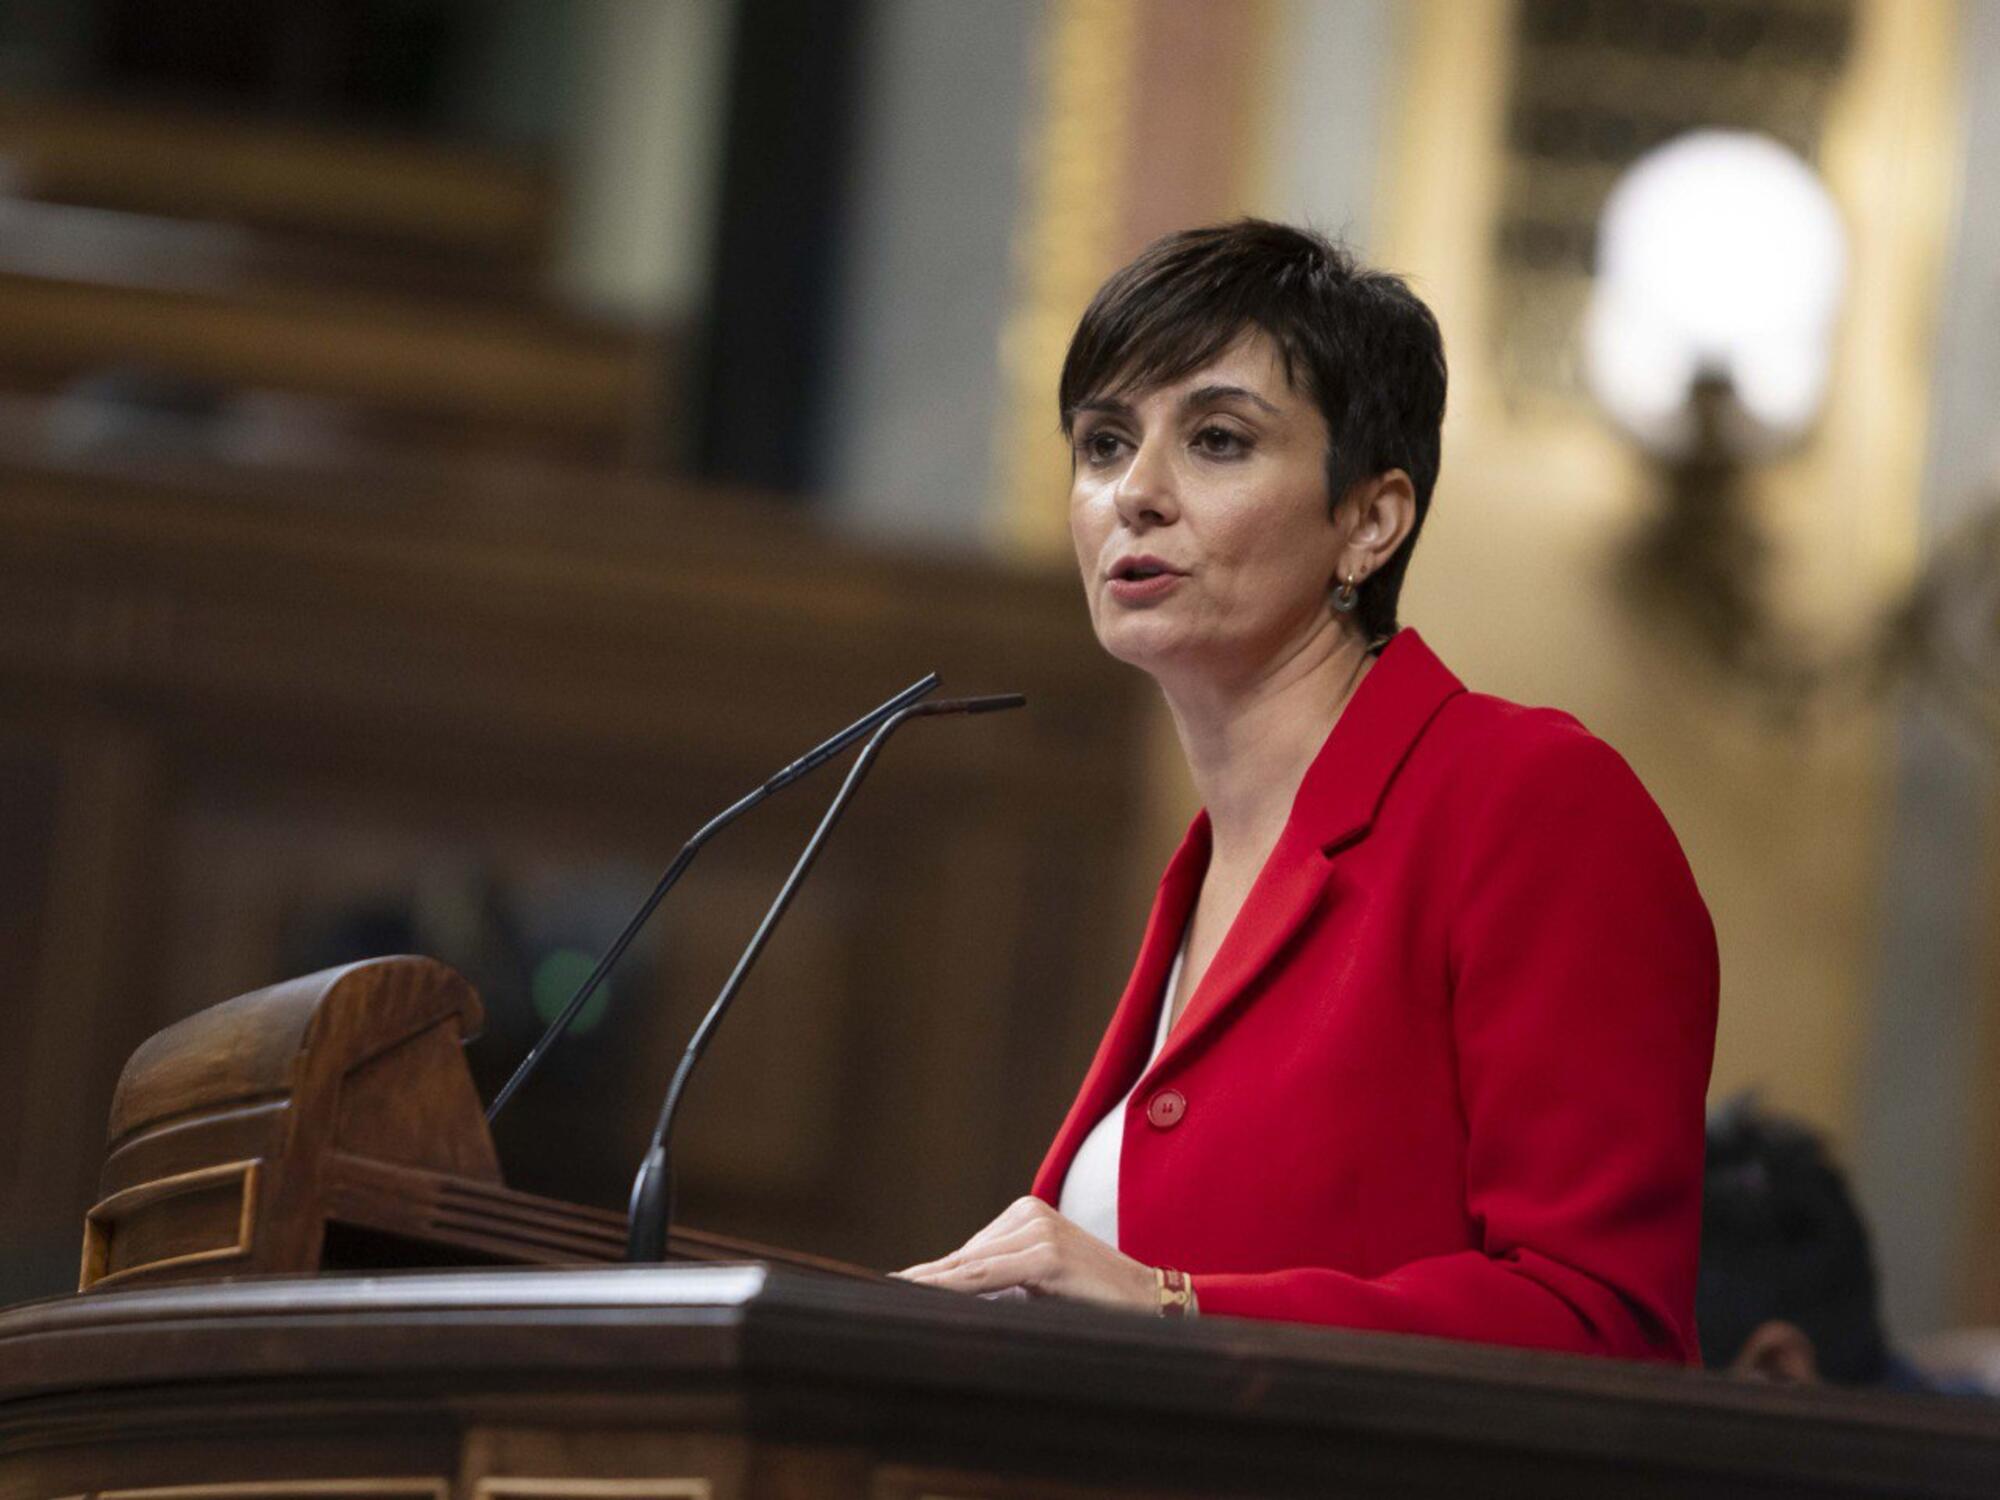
1206	395
1209	394
1105	405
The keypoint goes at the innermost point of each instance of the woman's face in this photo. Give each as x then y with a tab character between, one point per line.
1200	516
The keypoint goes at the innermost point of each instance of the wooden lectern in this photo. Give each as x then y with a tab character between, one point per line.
329	1124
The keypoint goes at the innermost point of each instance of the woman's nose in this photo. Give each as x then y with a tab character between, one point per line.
1145	491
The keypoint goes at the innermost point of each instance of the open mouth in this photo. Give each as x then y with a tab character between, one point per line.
1138	570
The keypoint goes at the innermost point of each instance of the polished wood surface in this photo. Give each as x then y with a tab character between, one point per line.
762	1382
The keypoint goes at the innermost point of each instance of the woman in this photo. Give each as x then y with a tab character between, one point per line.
1421	1025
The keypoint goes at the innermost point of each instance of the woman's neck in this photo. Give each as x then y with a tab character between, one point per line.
1248	744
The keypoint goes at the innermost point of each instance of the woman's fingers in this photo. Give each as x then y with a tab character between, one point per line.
1020	1211
1033	1248
972	1253
1034	1266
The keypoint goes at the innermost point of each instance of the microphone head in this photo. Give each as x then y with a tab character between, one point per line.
991	703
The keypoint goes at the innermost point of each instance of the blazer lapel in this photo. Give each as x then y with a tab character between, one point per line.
1126	1044
1286	893
1335	807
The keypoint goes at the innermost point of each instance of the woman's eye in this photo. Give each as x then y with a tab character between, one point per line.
1220	442
1100	447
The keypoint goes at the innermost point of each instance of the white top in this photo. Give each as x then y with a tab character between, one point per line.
1090	1191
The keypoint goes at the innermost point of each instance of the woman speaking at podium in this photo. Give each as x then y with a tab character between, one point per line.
1420	1028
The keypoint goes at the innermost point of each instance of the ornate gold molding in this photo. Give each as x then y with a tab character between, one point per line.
1077	154
1893	154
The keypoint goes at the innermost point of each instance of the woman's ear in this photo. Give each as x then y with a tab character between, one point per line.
1382	510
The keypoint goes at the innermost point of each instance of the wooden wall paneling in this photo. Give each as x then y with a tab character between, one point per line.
81	1019
355	690
638	630
931	1113
1070	930
781	1118
1087	913
764	1131
972	999
29	778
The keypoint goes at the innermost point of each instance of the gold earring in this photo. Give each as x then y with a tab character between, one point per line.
1348	595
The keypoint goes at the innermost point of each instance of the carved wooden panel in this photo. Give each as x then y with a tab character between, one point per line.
222	1200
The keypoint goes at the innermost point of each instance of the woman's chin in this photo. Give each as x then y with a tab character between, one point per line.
1152	646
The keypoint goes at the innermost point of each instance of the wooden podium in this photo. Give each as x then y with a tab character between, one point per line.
226	1346
749	1382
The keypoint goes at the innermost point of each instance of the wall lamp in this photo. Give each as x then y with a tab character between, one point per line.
1708	340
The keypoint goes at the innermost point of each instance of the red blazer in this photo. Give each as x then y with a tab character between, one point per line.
1446	1073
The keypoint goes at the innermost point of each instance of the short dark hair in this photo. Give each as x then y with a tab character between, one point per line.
1781	1238
1358	341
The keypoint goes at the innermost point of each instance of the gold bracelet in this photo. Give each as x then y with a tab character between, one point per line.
1176	1293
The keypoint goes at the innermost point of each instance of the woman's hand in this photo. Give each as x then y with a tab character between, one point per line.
1033	1247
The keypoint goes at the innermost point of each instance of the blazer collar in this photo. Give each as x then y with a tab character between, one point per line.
1336	804
1382	723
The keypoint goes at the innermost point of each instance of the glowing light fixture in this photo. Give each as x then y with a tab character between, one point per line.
1721	256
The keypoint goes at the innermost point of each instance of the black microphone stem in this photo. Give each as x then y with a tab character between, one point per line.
811	760
652	1206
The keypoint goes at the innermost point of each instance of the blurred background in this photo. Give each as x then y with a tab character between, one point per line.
448	448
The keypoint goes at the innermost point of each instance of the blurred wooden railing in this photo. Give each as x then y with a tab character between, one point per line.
451	201
400	285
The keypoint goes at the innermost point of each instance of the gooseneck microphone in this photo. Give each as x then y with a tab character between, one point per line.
818	756
652	1206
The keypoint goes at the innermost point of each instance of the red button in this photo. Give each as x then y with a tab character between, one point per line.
1164	1109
